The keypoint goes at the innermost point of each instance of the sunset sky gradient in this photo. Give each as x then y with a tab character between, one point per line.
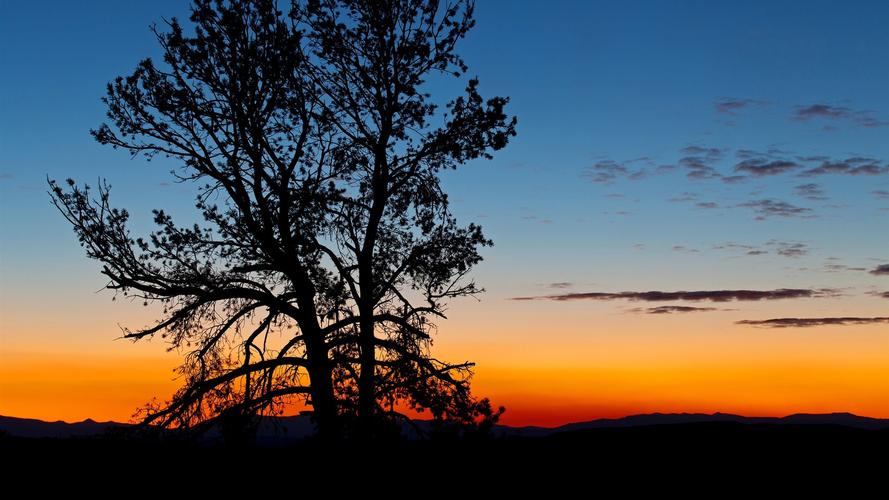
681	146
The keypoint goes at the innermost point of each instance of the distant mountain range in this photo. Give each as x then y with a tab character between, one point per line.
288	429
839	419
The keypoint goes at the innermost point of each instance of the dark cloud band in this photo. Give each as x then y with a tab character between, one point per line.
810	322
693	296
672	309
881	270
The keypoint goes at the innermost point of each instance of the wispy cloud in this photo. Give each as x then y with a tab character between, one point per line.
672	309
684	197
700	162
534	218
761	168
732	105
685	249
832	267
734	179
786	249
688	197
810	191
810	322
782	248
607	171
856	165
560	284
709	205
820	111
881	194
776	208
739	247
694	296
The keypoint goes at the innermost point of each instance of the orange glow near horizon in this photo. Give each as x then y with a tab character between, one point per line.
738	370
73	388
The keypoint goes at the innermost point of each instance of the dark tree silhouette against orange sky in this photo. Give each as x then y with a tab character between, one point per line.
327	248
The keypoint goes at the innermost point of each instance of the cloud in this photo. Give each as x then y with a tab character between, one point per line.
861	118
607	171
693	296
700	161
820	111
782	248
734	179
881	193
534	218
849	166
560	284
732	246
881	270
884	295
731	105
5	176
693	197
761	168
788	249
810	322
835	268
715	153
704	162
776	208
686	196
672	309
869	121
810	191
685	249
774	161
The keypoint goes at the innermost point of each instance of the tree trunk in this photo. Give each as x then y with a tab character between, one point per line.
323	401
324	404
367	379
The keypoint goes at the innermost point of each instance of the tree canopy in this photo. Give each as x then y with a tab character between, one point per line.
327	249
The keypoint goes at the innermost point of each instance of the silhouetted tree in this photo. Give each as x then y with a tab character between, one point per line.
327	248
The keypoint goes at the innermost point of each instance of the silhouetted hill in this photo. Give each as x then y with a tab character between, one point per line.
285	430
34	428
636	454
299	427
840	419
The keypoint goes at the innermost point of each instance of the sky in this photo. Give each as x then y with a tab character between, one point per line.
737	153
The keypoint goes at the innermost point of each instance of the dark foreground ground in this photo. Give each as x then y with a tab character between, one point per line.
732	457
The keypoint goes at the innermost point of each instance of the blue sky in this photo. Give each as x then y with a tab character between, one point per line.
589	81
